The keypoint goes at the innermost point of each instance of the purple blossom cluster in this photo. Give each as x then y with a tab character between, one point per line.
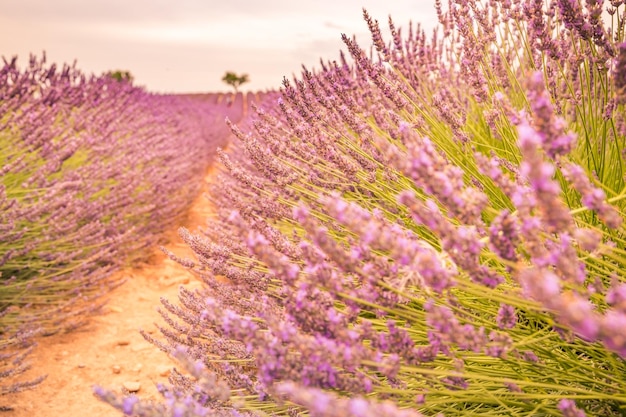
92	170
434	228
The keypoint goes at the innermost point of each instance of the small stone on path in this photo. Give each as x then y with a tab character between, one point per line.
164	370
116	369
123	342
132	386
139	348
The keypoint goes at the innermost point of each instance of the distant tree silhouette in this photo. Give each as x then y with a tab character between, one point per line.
120	75
235	80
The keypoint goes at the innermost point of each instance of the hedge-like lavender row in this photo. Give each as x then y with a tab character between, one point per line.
437	231
91	171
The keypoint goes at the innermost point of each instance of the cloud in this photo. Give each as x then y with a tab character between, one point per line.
332	25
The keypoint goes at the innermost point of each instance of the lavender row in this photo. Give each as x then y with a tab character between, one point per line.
436	229
92	170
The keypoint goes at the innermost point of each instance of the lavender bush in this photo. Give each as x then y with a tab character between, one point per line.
434	230
92	170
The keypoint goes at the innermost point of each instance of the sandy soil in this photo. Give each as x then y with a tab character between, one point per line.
109	351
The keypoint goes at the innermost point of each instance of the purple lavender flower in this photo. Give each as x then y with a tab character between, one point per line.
506	318
504	235
129	404
324	404
592	197
540	176
619	74
569	409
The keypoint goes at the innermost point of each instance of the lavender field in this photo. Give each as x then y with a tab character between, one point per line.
431	228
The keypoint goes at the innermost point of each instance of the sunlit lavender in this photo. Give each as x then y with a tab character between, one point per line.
432	229
437	229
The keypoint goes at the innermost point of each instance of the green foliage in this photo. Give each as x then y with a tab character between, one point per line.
120	76
235	80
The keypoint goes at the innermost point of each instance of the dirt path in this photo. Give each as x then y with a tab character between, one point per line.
109	351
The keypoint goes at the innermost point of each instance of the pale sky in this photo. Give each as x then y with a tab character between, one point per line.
188	45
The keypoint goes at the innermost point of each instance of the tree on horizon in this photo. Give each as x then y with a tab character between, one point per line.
120	75
235	80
